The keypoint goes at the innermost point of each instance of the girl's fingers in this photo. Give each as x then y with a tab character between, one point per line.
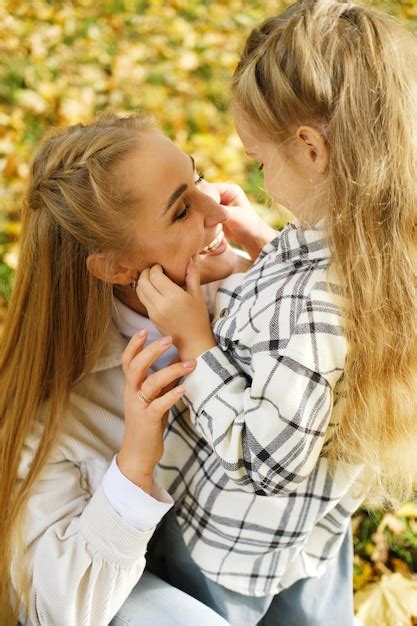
161	282
192	278
232	195
135	344
138	367
145	286
161	405
156	382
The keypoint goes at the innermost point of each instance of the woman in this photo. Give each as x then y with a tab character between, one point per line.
105	201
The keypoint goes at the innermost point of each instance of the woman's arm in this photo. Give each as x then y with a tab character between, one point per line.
82	557
83	554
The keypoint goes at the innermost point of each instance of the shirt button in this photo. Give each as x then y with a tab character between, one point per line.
224	312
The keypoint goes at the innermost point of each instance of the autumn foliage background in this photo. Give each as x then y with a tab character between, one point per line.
62	62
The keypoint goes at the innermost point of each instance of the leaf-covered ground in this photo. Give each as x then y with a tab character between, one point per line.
62	62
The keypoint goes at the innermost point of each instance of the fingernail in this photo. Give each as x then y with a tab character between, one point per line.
141	334
189	364
165	341
179	390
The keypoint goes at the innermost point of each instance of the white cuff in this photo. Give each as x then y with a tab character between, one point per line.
140	509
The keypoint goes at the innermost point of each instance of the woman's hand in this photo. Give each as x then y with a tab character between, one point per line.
181	313
145	422
244	226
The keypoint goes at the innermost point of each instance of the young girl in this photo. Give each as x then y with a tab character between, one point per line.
303	399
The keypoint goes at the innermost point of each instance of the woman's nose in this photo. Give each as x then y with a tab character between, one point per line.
216	214
210	190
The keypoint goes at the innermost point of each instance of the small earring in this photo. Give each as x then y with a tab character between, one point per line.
134	284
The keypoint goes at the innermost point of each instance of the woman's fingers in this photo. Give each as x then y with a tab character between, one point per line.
136	368
135	344
161	405
157	381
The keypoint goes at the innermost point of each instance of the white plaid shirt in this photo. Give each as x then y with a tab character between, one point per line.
246	462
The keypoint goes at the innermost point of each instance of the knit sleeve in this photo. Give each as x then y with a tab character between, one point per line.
82	557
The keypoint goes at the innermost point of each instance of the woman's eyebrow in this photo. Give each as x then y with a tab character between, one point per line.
177	193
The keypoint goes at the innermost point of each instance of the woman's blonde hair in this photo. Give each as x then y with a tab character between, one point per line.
351	73
59	313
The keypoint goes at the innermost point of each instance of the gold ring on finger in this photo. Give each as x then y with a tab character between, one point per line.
144	397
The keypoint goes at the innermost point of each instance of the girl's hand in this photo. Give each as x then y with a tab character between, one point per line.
181	313
244	226
145	422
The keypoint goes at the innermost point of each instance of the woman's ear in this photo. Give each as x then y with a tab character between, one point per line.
103	267
314	148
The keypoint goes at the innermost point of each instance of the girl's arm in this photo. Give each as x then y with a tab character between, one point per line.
83	555
182	311
267	430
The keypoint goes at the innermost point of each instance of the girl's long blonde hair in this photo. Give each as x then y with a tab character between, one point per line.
59	313
351	73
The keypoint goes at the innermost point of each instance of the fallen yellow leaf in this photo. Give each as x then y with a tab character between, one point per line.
391	602
362	574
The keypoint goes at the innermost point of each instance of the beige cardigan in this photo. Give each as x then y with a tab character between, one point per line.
83	559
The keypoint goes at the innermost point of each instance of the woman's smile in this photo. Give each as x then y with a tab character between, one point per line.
217	246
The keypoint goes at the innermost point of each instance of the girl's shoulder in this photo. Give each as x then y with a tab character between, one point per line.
288	269
316	338
291	300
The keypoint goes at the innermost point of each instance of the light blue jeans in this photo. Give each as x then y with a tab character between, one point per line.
153	602
324	601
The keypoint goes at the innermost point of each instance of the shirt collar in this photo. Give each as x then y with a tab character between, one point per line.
295	242
124	324
112	352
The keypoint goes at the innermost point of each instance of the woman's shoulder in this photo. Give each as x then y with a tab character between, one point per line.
92	420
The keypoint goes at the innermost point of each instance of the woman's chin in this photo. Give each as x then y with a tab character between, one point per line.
218	266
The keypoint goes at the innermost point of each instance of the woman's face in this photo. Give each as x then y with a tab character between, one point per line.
178	213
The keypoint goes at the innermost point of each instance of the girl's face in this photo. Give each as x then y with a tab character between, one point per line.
290	172
178	213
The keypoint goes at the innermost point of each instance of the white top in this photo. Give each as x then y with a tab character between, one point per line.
87	525
129	322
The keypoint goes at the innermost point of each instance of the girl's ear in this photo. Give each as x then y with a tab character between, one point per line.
103	267
314	148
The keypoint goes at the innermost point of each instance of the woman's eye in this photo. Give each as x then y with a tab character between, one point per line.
183	213
199	179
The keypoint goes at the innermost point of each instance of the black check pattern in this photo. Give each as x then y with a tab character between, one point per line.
245	454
